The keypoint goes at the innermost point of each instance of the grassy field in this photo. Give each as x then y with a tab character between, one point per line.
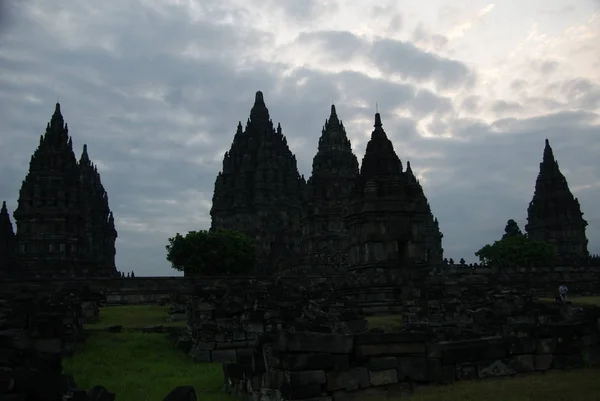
134	316
145	367
577	301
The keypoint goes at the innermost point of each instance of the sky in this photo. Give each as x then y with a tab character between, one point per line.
467	91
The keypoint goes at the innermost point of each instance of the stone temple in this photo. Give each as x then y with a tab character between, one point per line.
259	191
341	218
328	191
389	220
554	214
64	226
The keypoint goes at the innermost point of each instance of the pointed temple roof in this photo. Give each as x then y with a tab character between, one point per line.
6	227
552	195
259	112
380	158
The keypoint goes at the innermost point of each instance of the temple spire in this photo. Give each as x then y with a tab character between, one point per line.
259	111
85	158
548	153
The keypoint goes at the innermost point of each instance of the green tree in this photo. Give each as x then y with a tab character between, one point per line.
517	251
221	252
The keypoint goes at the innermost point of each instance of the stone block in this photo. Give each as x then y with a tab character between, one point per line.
206	345
589	339
494	369
367	350
545	345
473	350
200	355
434	350
412	369
522	363
349	380
466	371
447	374
382	363
305	377
341	362
543	361
231	344
224	355
591	355
315	342
389	338
48	345
373	393
273	379
310	361
289	392
521	346
383	377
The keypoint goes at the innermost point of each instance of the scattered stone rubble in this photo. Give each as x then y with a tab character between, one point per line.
330	366
227	319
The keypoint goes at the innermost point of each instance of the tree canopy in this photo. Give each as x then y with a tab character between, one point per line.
517	251
221	252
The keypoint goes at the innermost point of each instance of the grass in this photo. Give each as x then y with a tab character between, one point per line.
390	322
134	316
143	367
580	385
578	301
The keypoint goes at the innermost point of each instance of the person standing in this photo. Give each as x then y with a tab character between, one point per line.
563	291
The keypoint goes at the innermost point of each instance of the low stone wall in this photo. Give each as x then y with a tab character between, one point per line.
229	319
581	281
319	366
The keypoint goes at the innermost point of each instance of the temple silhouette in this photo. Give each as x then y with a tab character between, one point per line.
376	217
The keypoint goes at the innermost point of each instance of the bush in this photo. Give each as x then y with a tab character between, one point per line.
216	252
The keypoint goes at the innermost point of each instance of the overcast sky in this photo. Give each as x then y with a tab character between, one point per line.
467	91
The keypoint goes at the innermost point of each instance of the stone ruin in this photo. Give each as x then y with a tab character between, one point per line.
310	341
227	320
36	330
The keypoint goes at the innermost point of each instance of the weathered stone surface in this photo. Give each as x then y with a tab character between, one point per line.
352	379
494	368
382	377
382	363
390	349
543	361
315	342
307	361
305	377
522	363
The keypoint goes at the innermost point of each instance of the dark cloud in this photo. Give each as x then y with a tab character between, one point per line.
502	106
156	92
407	61
394	57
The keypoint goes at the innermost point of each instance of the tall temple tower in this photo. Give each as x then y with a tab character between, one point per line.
388	217
100	232
58	212
554	214
259	191
334	171
7	241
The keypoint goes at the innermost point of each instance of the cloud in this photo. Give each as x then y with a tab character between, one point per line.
156	90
